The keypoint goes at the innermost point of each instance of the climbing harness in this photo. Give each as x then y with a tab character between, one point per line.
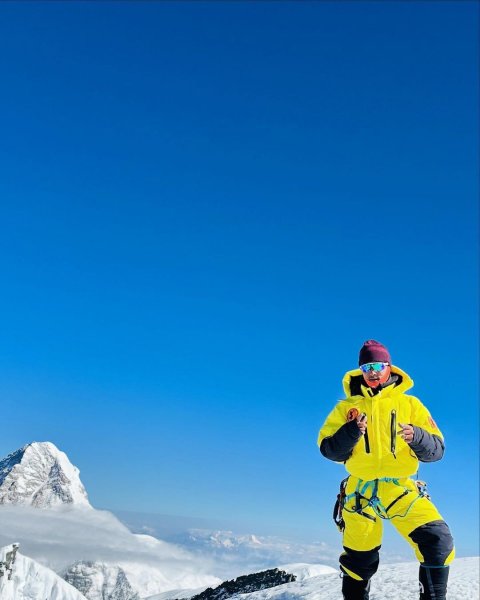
361	502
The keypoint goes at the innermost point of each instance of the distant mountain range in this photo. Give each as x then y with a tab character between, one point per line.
231	552
235	554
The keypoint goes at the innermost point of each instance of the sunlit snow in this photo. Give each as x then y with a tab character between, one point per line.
392	582
32	581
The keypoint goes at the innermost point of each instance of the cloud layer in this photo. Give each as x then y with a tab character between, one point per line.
58	538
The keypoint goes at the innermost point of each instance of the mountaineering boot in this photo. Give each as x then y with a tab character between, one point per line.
433	583
354	589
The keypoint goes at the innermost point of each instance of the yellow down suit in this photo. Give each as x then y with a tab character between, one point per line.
380	464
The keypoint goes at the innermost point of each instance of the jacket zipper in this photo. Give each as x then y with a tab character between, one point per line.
393	431
367	443
365	436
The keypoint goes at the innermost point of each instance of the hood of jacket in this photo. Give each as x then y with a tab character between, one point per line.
354	383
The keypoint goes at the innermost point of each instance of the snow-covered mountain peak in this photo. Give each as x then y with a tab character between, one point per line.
40	475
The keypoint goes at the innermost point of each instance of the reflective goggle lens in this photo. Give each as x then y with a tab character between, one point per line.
373	366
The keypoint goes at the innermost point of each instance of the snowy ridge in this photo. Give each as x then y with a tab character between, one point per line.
40	475
32	581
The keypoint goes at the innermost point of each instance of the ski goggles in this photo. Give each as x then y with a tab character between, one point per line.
374	366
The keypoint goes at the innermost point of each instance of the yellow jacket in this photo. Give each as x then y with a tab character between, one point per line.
381	452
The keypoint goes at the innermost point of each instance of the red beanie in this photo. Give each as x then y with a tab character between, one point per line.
373	351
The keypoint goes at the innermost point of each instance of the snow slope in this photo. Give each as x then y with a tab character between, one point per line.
32	581
392	582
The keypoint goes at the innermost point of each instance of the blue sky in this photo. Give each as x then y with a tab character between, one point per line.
206	208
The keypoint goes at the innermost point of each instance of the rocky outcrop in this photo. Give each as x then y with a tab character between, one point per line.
246	584
98	581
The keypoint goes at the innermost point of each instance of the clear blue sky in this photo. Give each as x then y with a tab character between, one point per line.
206	208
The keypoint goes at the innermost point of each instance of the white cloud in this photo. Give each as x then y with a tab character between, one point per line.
58	538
